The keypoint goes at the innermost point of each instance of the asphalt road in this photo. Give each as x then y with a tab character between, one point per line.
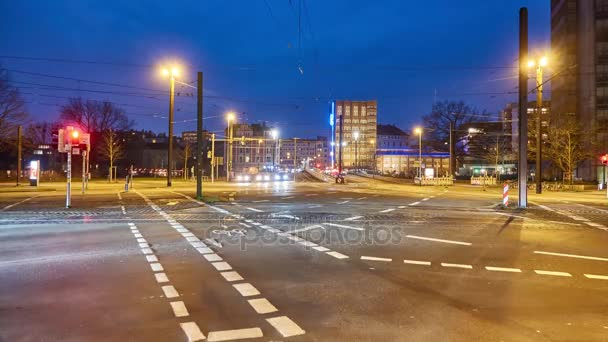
304	261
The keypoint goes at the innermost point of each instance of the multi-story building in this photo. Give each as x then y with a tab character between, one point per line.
298	152
390	137
253	146
355	133
579	44
510	122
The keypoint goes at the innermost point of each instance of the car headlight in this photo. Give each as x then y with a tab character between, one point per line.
266	177
285	177
277	177
239	178
246	178
258	178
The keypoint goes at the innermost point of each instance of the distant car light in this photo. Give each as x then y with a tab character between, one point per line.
258	178
239	178
246	178
266	177
285	177
277	177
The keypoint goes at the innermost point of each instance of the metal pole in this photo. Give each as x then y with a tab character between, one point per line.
170	151
229	152
212	156
420	157
19	133
68	191
522	167
539	135
83	163
295	153
199	136
340	145
451	149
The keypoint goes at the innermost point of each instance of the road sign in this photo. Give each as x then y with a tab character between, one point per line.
85	139
76	150
61	141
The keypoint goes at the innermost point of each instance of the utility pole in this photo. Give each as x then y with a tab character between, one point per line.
295	153
539	135
199	136
229	168
451	142
171	107
84	158
19	133
212	155
522	167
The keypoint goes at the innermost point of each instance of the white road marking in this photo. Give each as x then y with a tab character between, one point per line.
244	225
198	244
119	196
146	251
577	218
192	331
309	195
124	211
151	258
192	239
156	267
261	201
204	250
212	257
249	221
254	209
445	264
414	203
387	210
295	238
285	326
337	255
363	257
315	206
353	218
246	289
503	269
138	235
596	276
314	226
594	208
343	226
262	305
237	334
142	240
343	202
131	224
179	309
134	230
221	266
290	197
143	245
438	240
187	234
401	207
161	278
308	243
425	199
256	224
321	249
553	273
572	256
417	262
231	276
361	198
170	291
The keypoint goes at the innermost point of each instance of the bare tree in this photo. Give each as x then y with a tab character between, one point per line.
566	146
495	152
185	153
40	132
12	109
459	114
111	148
95	116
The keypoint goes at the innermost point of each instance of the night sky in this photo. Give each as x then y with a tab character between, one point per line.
255	62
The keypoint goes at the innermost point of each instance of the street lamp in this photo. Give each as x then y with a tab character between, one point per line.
230	117
372	142
356	136
418	131
171	73
540	64
275	134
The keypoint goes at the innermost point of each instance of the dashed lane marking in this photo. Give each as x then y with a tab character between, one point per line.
212	257
146	251
417	262
262	305
337	255
151	258
344	226
572	256
290	197
321	249
231	276
161	278
285	326
20	202
237	334
425	199
353	218
244	225
503	269
401	207
343	202
361	198
261	201
414	203
363	257
310	195
445	264
596	276
246	289
192	331
439	240
553	273
221	266
170	291
254	209
387	210
119	196
179	309
124	211
157	267
314	226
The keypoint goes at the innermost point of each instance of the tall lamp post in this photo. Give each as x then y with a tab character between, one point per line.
275	134
171	73
230	117
418	131
372	142
540	64
356	136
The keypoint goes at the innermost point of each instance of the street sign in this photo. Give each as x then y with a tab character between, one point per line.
85	139
61	141
219	161
76	150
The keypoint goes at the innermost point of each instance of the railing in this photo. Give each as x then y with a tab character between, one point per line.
434	181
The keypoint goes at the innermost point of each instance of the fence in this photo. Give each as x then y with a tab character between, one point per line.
435	181
483	180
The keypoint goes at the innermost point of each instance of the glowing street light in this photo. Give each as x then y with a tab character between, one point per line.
230	117
171	73
356	136
275	135
418	131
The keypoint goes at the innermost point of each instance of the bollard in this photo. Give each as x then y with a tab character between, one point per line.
505	195
127	184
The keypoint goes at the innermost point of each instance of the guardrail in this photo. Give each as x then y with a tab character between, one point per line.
319	176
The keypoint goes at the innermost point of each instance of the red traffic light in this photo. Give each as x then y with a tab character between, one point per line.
75	134
604	159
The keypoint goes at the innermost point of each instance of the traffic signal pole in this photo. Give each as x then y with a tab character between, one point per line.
19	134
199	136
68	191
522	166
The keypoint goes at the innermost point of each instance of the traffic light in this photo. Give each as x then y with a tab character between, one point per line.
605	159
75	136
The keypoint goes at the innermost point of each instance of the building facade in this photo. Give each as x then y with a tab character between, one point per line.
298	152
579	44
391	136
253	147
355	133
406	162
